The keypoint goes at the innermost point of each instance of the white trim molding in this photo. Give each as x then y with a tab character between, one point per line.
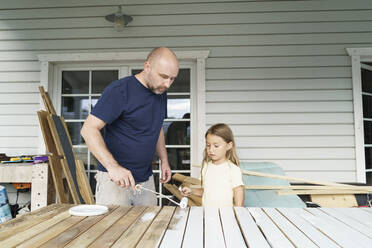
359	55
50	61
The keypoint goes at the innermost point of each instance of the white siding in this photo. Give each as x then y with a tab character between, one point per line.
278	72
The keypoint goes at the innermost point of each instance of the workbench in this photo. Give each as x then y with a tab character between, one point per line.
168	226
36	174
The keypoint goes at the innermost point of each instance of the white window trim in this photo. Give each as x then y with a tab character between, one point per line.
49	61
359	55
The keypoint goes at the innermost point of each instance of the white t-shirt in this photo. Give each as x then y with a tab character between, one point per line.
219	182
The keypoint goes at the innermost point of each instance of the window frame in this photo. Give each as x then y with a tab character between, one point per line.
357	56
197	59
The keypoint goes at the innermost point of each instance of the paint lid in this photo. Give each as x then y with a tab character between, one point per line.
88	210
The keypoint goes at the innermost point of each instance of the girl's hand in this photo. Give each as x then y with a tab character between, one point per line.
186	191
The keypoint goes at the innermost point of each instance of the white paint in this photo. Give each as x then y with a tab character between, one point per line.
148	216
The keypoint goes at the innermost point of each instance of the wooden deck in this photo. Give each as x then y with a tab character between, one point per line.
53	226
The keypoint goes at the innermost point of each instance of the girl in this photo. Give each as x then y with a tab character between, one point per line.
222	184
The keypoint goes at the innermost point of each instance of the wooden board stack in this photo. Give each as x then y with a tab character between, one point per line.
62	159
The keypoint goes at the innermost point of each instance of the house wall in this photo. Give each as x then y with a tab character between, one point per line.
277	72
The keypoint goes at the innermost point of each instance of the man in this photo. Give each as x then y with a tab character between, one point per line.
131	110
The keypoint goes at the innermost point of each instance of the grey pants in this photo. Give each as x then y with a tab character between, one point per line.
107	193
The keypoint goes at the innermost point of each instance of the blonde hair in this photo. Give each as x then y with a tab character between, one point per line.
221	130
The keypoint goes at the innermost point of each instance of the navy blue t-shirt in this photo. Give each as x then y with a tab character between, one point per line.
134	116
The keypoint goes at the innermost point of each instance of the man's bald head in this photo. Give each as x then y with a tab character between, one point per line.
160	70
160	53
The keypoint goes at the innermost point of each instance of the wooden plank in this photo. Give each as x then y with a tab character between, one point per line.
174	234
254	173
213	234
194	229
359	215
134	233
55	164
252	234
81	30
275	84
299	141
263	73
174	190
14	142
202	41
319	238
35	230
347	194
292	129
273	235
283	61
28	220
362	240
362	228
156	230
283	107
27	98
209	6
191	18
343	200
282	95
281	118
53	231
63	238
95	231
298	153
185	179
326	227
47	101
66	170
306	187
295	235
83	183
230	227
118	228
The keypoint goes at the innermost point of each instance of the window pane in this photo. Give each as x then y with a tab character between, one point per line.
156	180
93	162
100	79
367	106
179	158
81	153
368	132
92	181
368	157
94	101
75	107
155	162
180	84
366	80
177	132
74	131
178	106
75	82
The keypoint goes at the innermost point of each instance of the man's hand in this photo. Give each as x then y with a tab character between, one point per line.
122	177
166	173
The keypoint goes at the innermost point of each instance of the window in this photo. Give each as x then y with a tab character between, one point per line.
362	93
366	78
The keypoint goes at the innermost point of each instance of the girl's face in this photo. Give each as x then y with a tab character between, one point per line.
217	148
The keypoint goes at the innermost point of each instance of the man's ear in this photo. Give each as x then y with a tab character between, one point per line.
146	66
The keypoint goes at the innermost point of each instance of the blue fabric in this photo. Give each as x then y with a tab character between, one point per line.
267	198
134	116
